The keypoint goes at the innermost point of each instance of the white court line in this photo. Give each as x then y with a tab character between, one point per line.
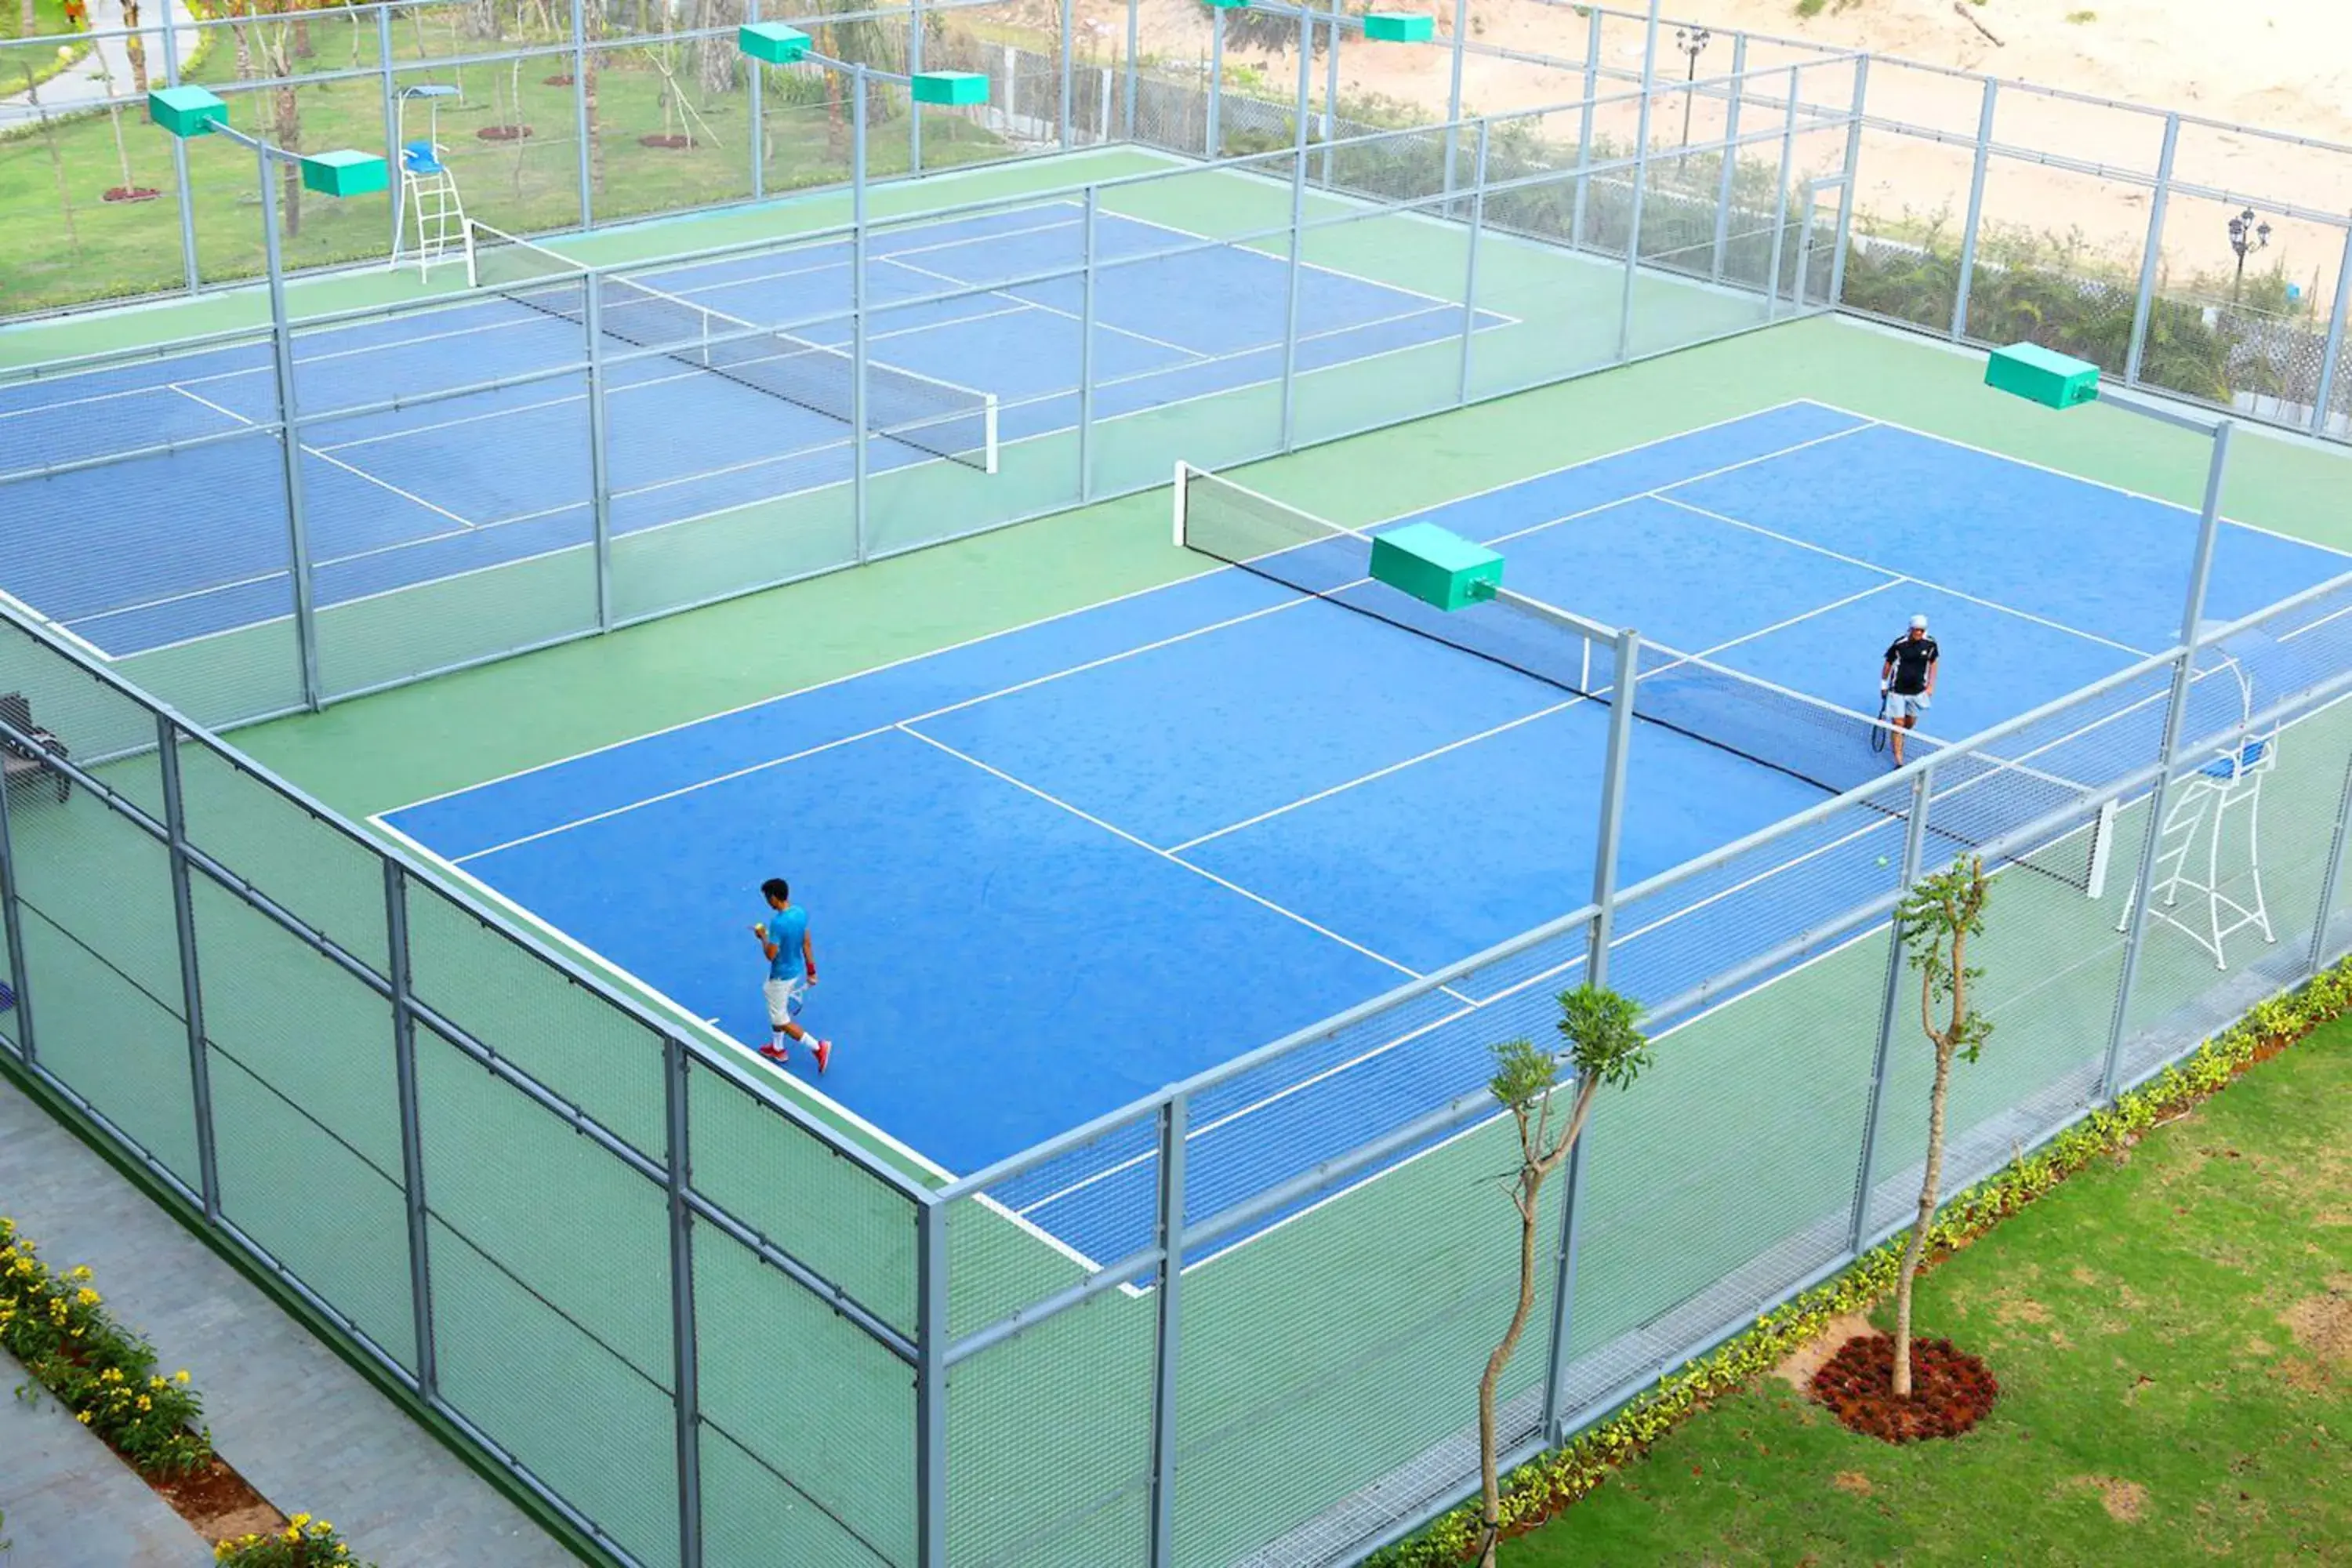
1922	582
1101	325
1210	875
765	763
324	455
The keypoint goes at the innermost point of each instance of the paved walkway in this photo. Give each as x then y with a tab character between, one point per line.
84	84
68	1501
305	1428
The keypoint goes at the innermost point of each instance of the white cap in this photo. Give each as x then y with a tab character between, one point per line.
1918	623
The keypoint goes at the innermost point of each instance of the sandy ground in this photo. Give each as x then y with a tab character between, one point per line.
2280	65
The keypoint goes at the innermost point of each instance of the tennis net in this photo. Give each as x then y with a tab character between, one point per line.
1980	799
918	411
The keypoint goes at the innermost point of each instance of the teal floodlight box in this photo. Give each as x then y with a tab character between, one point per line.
2042	376
771	42
1228	5
344	173
1435	565
185	110
952	88
1399	27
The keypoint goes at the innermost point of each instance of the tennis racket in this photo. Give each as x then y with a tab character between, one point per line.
1879	730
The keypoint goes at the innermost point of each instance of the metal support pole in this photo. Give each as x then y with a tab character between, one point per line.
2318	958
1297	228
2153	253
1128	71
12	922
1453	94
931	1386
412	1130
1976	210
1087	344
1062	130
1584	125
858	454
1915	849
192	991
600	478
281	342
2200	572
1216	148
1781	201
1563	1294
1640	186
1730	164
1470	271
580	111
1625	692
2331	360
1168	1335
1845	191
192	276
391	115
756	130
1330	119
685	1355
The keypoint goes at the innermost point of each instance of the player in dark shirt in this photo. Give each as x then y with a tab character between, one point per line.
1907	680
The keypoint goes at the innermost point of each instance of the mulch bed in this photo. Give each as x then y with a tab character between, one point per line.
221	1504
503	132
132	194
1950	1389
564	81
674	143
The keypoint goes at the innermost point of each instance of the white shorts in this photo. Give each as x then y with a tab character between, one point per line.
1899	706
784	998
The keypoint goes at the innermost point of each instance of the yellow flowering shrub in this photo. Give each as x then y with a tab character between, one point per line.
305	1543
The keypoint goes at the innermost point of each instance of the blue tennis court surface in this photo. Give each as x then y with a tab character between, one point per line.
1058	868
455	484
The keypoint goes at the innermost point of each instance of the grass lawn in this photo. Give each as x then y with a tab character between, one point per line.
2173	1334
36	63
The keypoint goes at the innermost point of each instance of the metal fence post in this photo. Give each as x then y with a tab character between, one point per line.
600	478
193	279
412	1130
1174	1117
579	111
391	111
2144	301
1063	123
2331	359
1724	188
1983	163
1216	144
1640	188
12	921
2334	869
1584	126
2199	572
931	1386
685	1353
192	989
1128	73
1297	247
1781	201
1454	93
1329	120
1470	271
1086	345
1845	191
859	457
1915	847
281	342
755	101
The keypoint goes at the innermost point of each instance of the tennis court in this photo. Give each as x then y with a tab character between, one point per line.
972	347
1054	870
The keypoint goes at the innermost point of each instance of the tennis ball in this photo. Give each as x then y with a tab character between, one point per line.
65	51
1882	859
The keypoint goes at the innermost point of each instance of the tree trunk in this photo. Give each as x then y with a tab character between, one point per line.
1490	1508
27	25
715	57
1918	1243
836	128
135	48
595	131
302	47
290	137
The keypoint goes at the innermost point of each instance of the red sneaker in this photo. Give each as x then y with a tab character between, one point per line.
823	1054
775	1053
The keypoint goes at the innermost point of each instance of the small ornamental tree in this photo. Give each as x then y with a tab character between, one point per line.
1939	915
1604	1048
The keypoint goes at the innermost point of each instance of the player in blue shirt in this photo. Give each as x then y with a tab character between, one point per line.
791	969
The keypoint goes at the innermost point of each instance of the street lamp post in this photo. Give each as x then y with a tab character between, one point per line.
1692	43
2247	234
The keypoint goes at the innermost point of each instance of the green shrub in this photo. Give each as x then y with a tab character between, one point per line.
305	1543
